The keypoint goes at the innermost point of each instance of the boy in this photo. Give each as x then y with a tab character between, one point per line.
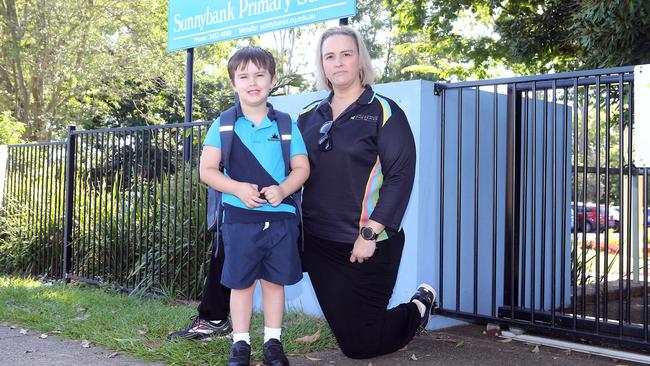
259	226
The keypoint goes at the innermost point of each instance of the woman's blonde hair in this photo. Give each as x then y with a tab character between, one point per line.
366	74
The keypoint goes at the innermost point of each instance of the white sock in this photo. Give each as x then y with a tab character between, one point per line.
272	333
246	337
421	307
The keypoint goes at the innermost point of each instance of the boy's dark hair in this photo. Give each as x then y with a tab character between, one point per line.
262	58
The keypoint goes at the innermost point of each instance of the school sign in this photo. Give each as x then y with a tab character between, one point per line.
194	23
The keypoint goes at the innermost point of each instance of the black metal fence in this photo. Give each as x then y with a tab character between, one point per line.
134	207
32	209
540	169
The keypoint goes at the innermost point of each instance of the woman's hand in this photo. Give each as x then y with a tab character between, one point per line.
273	194
363	249
249	195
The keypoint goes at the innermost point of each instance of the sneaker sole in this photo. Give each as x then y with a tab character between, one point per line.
434	303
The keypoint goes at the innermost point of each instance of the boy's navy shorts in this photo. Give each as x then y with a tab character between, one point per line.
265	250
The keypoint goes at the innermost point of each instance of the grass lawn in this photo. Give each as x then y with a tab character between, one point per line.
135	325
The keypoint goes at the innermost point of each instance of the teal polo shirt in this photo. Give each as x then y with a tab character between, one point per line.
263	141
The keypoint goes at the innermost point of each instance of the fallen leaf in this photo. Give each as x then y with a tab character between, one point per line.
112	355
413	357
460	344
43	336
309	339
23	331
150	344
85	343
535	350
312	358
504	340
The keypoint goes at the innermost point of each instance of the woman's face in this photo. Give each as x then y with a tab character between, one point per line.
340	61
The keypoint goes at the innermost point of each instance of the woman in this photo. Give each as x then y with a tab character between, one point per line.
362	156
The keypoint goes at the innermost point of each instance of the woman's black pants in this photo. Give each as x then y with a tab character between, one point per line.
354	296
215	304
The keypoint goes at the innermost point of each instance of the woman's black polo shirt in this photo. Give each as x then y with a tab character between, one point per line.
368	173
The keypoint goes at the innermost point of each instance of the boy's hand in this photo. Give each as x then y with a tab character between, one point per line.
249	195
274	194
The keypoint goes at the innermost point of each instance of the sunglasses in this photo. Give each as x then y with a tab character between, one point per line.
325	140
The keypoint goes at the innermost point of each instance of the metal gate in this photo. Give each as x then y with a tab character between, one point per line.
543	217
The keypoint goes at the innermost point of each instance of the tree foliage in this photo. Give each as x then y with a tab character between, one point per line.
100	63
532	35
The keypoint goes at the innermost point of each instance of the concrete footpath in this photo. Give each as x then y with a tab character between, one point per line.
466	345
21	347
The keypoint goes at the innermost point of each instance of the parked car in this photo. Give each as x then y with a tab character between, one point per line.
614	218
587	215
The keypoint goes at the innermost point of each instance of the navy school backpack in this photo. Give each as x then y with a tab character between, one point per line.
226	132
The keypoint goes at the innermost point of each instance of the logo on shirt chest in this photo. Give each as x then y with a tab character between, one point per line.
365	117
274	137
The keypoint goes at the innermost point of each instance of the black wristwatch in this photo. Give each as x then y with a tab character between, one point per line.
367	233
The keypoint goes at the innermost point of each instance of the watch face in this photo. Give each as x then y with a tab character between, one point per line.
367	233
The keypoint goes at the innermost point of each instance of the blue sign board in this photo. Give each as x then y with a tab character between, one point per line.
193	23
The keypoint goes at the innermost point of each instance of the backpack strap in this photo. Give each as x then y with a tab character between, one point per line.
285	128
227	121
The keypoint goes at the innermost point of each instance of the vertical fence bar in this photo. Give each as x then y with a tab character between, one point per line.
574	251
41	208
646	219
148	274
459	191
188	219
533	211
542	269
142	219
585	162
197	206
176	259
628	292
554	214
84	187
69	204
524	198
607	192
94	177
495	170
160	219
130	210
511	233
477	131
169	183
31	204
598	213
443	104
622	211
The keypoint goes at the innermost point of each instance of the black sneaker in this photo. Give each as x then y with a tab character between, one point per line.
203	329
240	354
274	354
426	295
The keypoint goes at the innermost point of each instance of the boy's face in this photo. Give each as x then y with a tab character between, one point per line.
252	84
